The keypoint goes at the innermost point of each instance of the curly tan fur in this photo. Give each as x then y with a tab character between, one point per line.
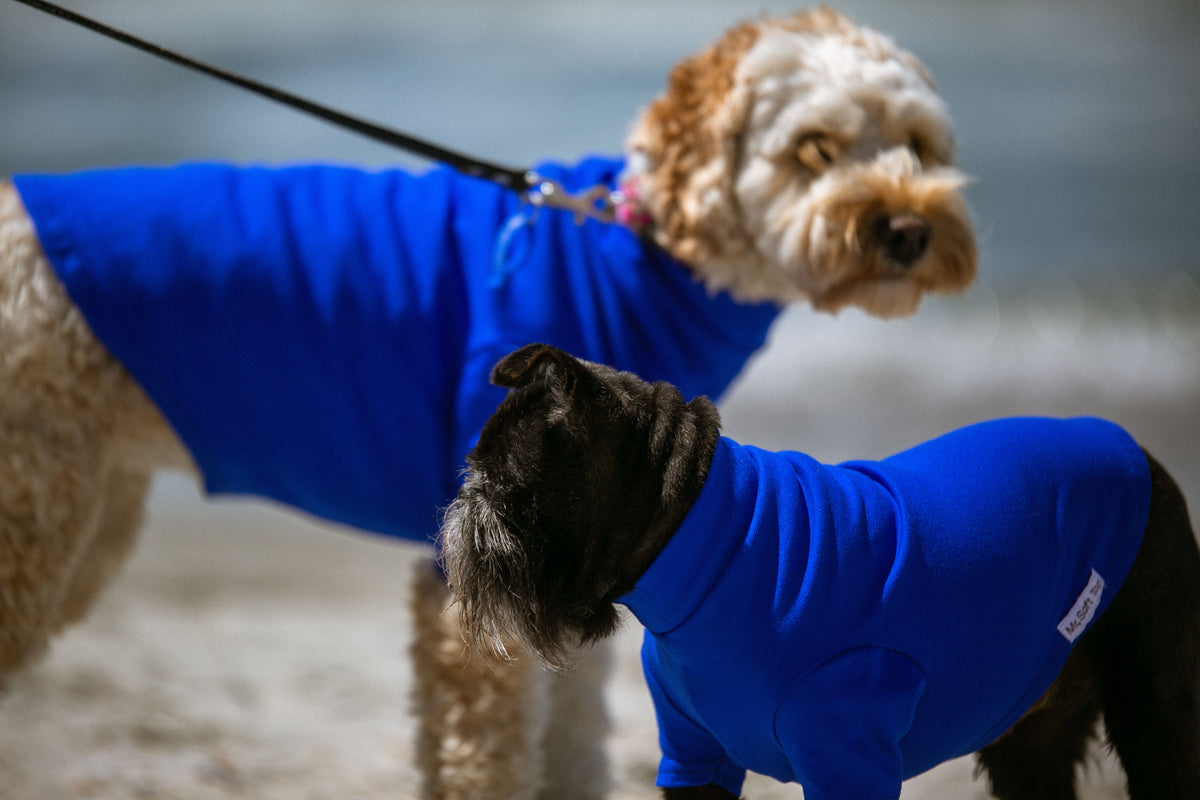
545	732
80	440
681	134
693	122
454	689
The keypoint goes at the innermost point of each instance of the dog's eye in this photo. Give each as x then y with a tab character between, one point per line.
816	153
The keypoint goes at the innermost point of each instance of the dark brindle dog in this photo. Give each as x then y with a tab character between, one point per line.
999	589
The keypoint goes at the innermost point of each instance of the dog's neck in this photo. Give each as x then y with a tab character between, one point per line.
686	435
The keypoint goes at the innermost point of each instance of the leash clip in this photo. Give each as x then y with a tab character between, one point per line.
598	203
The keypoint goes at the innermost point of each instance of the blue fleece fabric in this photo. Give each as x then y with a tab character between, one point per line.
323	335
847	627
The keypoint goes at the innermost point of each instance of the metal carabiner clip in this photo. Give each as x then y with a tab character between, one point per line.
598	202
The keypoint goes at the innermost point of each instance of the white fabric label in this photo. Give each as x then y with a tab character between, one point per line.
1084	610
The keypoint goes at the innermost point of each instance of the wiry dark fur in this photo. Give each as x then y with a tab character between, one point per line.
530	546
583	474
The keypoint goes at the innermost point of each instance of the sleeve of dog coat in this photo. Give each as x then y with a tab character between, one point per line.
690	754
841	725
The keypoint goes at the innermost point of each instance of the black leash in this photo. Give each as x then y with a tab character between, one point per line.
597	202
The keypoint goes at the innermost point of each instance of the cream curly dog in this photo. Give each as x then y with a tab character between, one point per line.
323	336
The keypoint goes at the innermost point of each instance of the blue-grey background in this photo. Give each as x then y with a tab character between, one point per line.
245	653
1080	119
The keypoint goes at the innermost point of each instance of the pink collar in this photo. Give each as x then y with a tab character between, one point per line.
627	205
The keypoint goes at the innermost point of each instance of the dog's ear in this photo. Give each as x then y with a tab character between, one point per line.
520	367
539	362
690	137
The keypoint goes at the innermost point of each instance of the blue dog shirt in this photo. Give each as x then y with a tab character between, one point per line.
848	627
323	336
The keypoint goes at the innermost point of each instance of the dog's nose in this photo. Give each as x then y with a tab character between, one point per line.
904	237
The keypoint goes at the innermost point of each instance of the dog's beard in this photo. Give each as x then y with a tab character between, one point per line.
491	574
476	552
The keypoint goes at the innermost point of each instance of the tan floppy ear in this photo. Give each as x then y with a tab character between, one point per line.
688	138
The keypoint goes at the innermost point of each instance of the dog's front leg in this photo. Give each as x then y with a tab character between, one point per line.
480	722
574	753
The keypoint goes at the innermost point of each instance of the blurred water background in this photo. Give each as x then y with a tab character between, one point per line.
1079	119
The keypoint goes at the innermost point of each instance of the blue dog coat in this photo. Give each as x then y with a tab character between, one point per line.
847	627
323	336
